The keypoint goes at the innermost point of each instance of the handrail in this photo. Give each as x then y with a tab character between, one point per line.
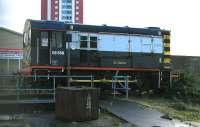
18	90
50	76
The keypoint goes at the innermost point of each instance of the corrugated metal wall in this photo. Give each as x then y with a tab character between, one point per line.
10	39
186	64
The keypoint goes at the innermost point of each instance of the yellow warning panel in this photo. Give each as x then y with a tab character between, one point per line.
166	37
167	60
167	45
166	52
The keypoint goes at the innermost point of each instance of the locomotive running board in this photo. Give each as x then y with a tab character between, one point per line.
29	69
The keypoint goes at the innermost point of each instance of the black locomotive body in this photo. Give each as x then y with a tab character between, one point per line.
53	47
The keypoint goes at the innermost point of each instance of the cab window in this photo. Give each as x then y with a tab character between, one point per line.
57	39
93	42
44	39
83	42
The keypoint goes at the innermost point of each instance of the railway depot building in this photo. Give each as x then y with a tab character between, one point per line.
11	53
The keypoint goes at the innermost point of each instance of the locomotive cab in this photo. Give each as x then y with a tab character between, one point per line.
44	44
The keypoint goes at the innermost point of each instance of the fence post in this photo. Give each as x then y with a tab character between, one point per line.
114	86
35	76
92	81
17	87
159	80
54	89
126	86
170	84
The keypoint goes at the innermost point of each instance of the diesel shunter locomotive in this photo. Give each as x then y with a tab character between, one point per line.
102	51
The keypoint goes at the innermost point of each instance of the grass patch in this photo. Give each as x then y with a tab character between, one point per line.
175	109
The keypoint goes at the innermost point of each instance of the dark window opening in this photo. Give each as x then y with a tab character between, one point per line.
69	12
68	38
57	40
84	37
83	42
93	42
44	39
69	7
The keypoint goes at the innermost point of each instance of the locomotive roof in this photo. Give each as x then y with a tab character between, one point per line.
41	24
46	25
114	29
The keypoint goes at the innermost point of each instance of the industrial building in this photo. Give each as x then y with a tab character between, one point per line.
70	11
11	52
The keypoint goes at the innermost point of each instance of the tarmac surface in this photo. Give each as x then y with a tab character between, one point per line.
49	120
139	115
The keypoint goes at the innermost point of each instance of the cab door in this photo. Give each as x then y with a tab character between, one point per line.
43	48
57	48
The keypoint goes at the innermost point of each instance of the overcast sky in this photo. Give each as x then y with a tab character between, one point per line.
180	16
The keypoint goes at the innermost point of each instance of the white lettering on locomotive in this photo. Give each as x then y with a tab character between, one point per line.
58	53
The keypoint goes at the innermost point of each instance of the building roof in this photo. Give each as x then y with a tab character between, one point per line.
11	31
